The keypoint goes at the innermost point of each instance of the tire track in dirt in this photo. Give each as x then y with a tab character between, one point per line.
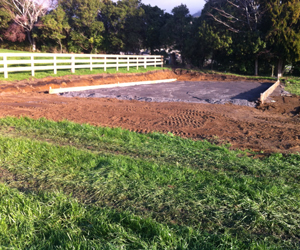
243	127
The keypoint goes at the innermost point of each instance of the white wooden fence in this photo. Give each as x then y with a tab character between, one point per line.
17	62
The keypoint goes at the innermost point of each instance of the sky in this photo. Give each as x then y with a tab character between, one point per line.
167	5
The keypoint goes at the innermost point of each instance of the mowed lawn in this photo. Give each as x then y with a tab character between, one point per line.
74	186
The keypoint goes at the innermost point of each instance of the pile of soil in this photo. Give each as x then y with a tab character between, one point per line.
274	127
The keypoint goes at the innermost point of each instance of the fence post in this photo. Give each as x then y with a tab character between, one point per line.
128	63
162	61
32	65
145	62
55	64
91	63
155	61
104	63
73	64
5	66
137	62
117	59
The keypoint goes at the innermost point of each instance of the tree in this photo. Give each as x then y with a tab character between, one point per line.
243	17
5	20
26	14
237	15
177	29
86	30
15	33
131	34
213	42
284	35
153	21
55	26
123	25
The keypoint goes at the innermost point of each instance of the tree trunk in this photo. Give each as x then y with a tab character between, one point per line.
182	60
60	46
151	50
29	38
280	68
31	41
33	45
201	62
173	59
256	66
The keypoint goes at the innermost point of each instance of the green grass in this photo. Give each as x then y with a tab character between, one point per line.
156	191
17	76
56	221
208	71
12	51
292	84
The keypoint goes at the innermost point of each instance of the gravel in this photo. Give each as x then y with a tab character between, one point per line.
245	93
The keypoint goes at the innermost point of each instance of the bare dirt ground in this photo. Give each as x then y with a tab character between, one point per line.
273	127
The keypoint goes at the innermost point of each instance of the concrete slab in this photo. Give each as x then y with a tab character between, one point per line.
237	92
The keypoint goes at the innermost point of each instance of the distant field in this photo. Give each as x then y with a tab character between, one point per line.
86	187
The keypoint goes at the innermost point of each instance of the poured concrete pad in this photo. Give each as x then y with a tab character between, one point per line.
237	92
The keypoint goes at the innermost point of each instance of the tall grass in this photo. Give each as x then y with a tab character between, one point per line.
204	196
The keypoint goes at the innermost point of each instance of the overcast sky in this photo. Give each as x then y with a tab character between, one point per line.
167	5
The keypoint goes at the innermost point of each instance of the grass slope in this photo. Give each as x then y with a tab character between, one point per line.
196	195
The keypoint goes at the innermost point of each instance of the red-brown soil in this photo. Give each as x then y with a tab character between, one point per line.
274	127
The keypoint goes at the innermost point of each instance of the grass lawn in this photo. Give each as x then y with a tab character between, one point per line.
292	84
73	186
16	76
12	51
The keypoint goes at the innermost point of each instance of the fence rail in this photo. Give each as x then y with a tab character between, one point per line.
17	62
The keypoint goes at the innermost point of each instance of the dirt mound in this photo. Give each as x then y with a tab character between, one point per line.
285	105
42	85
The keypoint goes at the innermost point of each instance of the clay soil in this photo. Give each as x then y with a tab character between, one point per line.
273	127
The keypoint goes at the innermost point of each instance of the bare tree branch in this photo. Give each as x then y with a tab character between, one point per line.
225	24
248	13
26	13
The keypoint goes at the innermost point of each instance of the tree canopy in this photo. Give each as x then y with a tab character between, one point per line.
242	36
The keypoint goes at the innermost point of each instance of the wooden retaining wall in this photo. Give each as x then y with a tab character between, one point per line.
268	92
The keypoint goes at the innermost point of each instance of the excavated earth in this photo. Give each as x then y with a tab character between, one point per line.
272	127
